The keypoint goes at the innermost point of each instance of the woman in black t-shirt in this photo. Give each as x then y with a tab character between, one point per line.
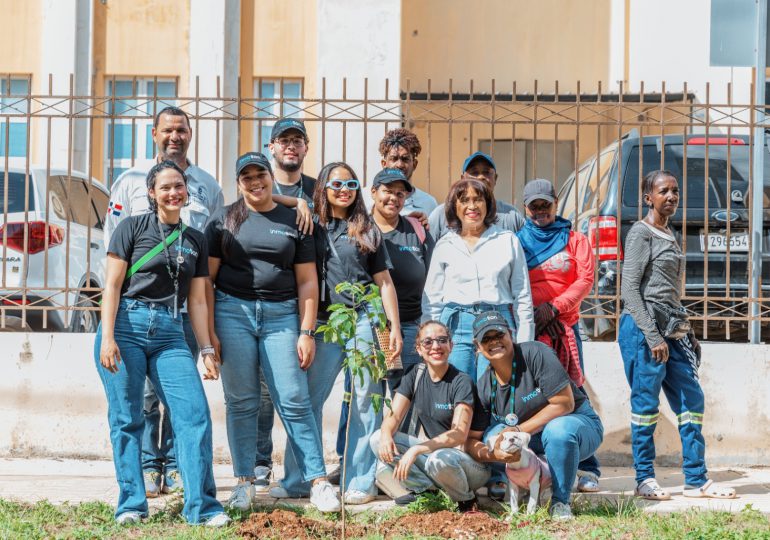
154	264
263	320
525	388
443	403
349	248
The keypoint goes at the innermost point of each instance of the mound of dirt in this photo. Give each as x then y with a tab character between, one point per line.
447	524
288	525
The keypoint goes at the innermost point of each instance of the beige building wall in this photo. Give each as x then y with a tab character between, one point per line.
20	38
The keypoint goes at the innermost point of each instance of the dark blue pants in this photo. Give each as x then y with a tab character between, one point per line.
679	382
591	463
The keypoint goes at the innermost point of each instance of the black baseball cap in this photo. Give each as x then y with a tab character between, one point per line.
252	158
388	176
489	320
285	124
538	188
478	155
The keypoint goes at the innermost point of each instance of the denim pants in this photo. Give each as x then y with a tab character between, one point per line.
450	469
265	421
680	384
566	441
361	463
159	454
459	320
152	344
591	463
256	336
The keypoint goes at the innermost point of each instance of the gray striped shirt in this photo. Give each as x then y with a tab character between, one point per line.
652	272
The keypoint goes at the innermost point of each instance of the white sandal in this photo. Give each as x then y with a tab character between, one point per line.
709	490
650	489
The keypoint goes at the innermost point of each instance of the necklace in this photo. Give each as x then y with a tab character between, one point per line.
174	275
510	419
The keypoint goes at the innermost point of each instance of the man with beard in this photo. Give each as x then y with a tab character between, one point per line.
172	135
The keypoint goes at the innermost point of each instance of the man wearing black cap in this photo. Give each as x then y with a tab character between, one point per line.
478	166
172	135
525	388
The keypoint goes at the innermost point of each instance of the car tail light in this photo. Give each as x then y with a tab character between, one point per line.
19	302
604	238
39	232
716	141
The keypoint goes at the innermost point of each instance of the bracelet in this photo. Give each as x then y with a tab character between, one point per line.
208	349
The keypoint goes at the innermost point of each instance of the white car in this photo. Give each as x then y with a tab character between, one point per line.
63	264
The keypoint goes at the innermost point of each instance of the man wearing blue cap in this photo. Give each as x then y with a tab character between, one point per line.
478	166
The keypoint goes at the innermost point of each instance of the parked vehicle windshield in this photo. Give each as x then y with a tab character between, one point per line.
15	193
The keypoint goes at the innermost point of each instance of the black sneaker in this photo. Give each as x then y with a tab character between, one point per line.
468	507
334	476
404	500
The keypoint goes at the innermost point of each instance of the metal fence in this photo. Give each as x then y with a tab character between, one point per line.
596	145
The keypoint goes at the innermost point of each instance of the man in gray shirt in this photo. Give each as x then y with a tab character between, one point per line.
172	135
478	166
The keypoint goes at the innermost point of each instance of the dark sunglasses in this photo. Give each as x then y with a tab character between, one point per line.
491	337
428	342
337	185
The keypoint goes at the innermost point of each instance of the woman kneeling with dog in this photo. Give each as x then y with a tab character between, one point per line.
526	389
443	404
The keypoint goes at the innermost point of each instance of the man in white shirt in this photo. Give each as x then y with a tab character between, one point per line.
172	134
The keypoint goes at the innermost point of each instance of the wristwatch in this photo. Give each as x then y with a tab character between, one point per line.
307	332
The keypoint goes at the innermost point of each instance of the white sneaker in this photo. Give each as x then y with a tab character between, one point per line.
242	496
355	496
219	520
129	518
278	492
587	482
262	476
561	512
324	497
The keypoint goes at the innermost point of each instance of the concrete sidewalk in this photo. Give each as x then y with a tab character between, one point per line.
76	481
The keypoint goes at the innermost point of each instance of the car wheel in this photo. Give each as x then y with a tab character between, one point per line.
85	321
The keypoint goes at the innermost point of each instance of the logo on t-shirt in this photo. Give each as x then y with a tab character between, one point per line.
188	251
413	249
532	395
443	406
290	234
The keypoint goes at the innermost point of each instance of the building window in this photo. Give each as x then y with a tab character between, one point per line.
128	136
276	98
13	101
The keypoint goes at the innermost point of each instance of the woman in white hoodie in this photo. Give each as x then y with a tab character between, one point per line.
476	267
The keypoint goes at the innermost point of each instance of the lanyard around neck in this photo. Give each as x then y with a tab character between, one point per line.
510	419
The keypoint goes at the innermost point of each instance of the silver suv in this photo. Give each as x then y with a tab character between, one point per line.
59	219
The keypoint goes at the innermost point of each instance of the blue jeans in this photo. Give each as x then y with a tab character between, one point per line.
459	320
591	463
566	441
152	344
680	384
263	335
450	469
265	421
361	463
159	454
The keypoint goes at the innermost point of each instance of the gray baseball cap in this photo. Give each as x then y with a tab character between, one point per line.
538	188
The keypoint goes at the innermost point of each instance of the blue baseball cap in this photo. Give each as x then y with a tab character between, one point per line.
388	176
252	158
489	320
478	155
285	124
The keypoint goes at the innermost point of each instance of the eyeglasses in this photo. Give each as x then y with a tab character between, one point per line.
428	342
337	185
285	142
488	337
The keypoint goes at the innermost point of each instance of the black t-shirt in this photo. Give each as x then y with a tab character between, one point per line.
302	189
539	376
259	264
350	264
139	234
411	260
435	402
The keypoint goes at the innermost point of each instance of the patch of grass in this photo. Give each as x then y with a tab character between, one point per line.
432	501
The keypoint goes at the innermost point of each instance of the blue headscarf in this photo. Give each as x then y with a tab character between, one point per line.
542	243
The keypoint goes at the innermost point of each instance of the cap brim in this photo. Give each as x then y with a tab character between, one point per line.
484	331
480	158
255	163
281	131
549	198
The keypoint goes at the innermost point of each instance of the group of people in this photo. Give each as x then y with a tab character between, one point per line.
482	305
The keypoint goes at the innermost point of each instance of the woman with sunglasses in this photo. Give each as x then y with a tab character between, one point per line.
264	314
476	266
442	399
561	273
349	248
525	388
154	263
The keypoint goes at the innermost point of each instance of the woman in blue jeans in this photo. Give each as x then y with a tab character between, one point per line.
154	263
263	318
349	248
475	267
525	388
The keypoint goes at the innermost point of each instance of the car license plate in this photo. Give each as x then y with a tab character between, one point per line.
718	241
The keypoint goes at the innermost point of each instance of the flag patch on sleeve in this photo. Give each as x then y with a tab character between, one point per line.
115	209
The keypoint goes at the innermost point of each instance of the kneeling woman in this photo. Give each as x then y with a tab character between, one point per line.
264	314
526	388
154	263
443	404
